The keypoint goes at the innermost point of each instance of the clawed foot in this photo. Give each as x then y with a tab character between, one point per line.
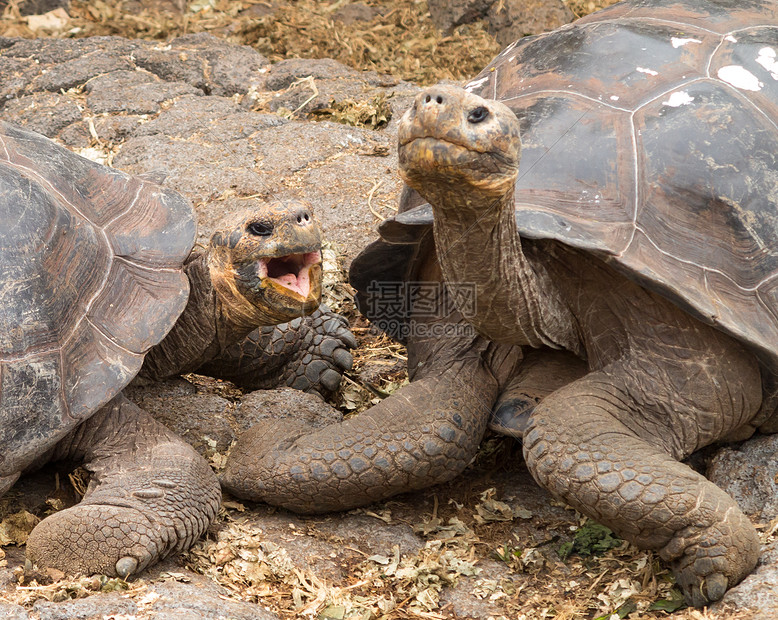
89	539
150	495
324	355
309	353
726	554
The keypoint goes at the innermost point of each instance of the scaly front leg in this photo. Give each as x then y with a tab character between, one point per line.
609	445
309	353
423	434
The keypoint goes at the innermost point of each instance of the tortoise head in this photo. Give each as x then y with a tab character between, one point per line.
454	140
267	269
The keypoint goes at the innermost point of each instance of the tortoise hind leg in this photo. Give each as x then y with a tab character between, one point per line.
542	372
609	444
150	495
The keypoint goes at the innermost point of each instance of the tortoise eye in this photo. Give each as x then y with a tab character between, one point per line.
260	229
478	115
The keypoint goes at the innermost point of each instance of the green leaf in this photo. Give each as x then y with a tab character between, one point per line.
590	539
674	603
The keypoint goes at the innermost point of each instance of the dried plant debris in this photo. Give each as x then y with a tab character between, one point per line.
395	37
16	527
621	582
585	7
372	114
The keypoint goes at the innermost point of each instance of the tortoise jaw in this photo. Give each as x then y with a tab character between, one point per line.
291	272
429	161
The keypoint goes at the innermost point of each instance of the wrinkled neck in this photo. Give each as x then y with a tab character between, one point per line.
204	329
507	296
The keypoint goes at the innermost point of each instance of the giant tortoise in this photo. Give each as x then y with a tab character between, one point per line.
97	273
636	232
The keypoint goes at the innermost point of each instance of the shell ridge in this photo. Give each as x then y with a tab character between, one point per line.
127	210
703	268
50	188
565	92
61	369
131	261
637	176
643	18
744	98
675	87
714	52
110	338
5	149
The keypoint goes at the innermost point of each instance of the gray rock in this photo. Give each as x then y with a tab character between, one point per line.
51	52
205	420
150	109
89	608
356	12
201	600
507	20
44	112
284	403
17	74
134	92
79	70
331	82
208	119
512	19
757	593
37	7
12	612
448	14
109	129
748	472
209	64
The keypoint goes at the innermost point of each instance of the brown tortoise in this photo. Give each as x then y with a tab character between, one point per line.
96	270
631	259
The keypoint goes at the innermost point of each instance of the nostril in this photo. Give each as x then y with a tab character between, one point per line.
303	217
427	99
439	99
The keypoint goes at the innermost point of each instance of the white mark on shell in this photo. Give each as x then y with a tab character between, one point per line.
767	59
678	98
739	77
614	97
680	42
512	58
730	38
471	86
647	71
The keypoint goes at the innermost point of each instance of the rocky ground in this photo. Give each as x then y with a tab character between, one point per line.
228	124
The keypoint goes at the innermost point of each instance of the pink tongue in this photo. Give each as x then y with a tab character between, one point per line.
288	279
299	285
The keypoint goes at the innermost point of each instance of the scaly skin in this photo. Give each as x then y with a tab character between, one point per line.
660	386
425	433
542	372
620	470
309	353
151	493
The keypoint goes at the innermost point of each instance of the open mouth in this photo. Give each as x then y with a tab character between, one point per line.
292	271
